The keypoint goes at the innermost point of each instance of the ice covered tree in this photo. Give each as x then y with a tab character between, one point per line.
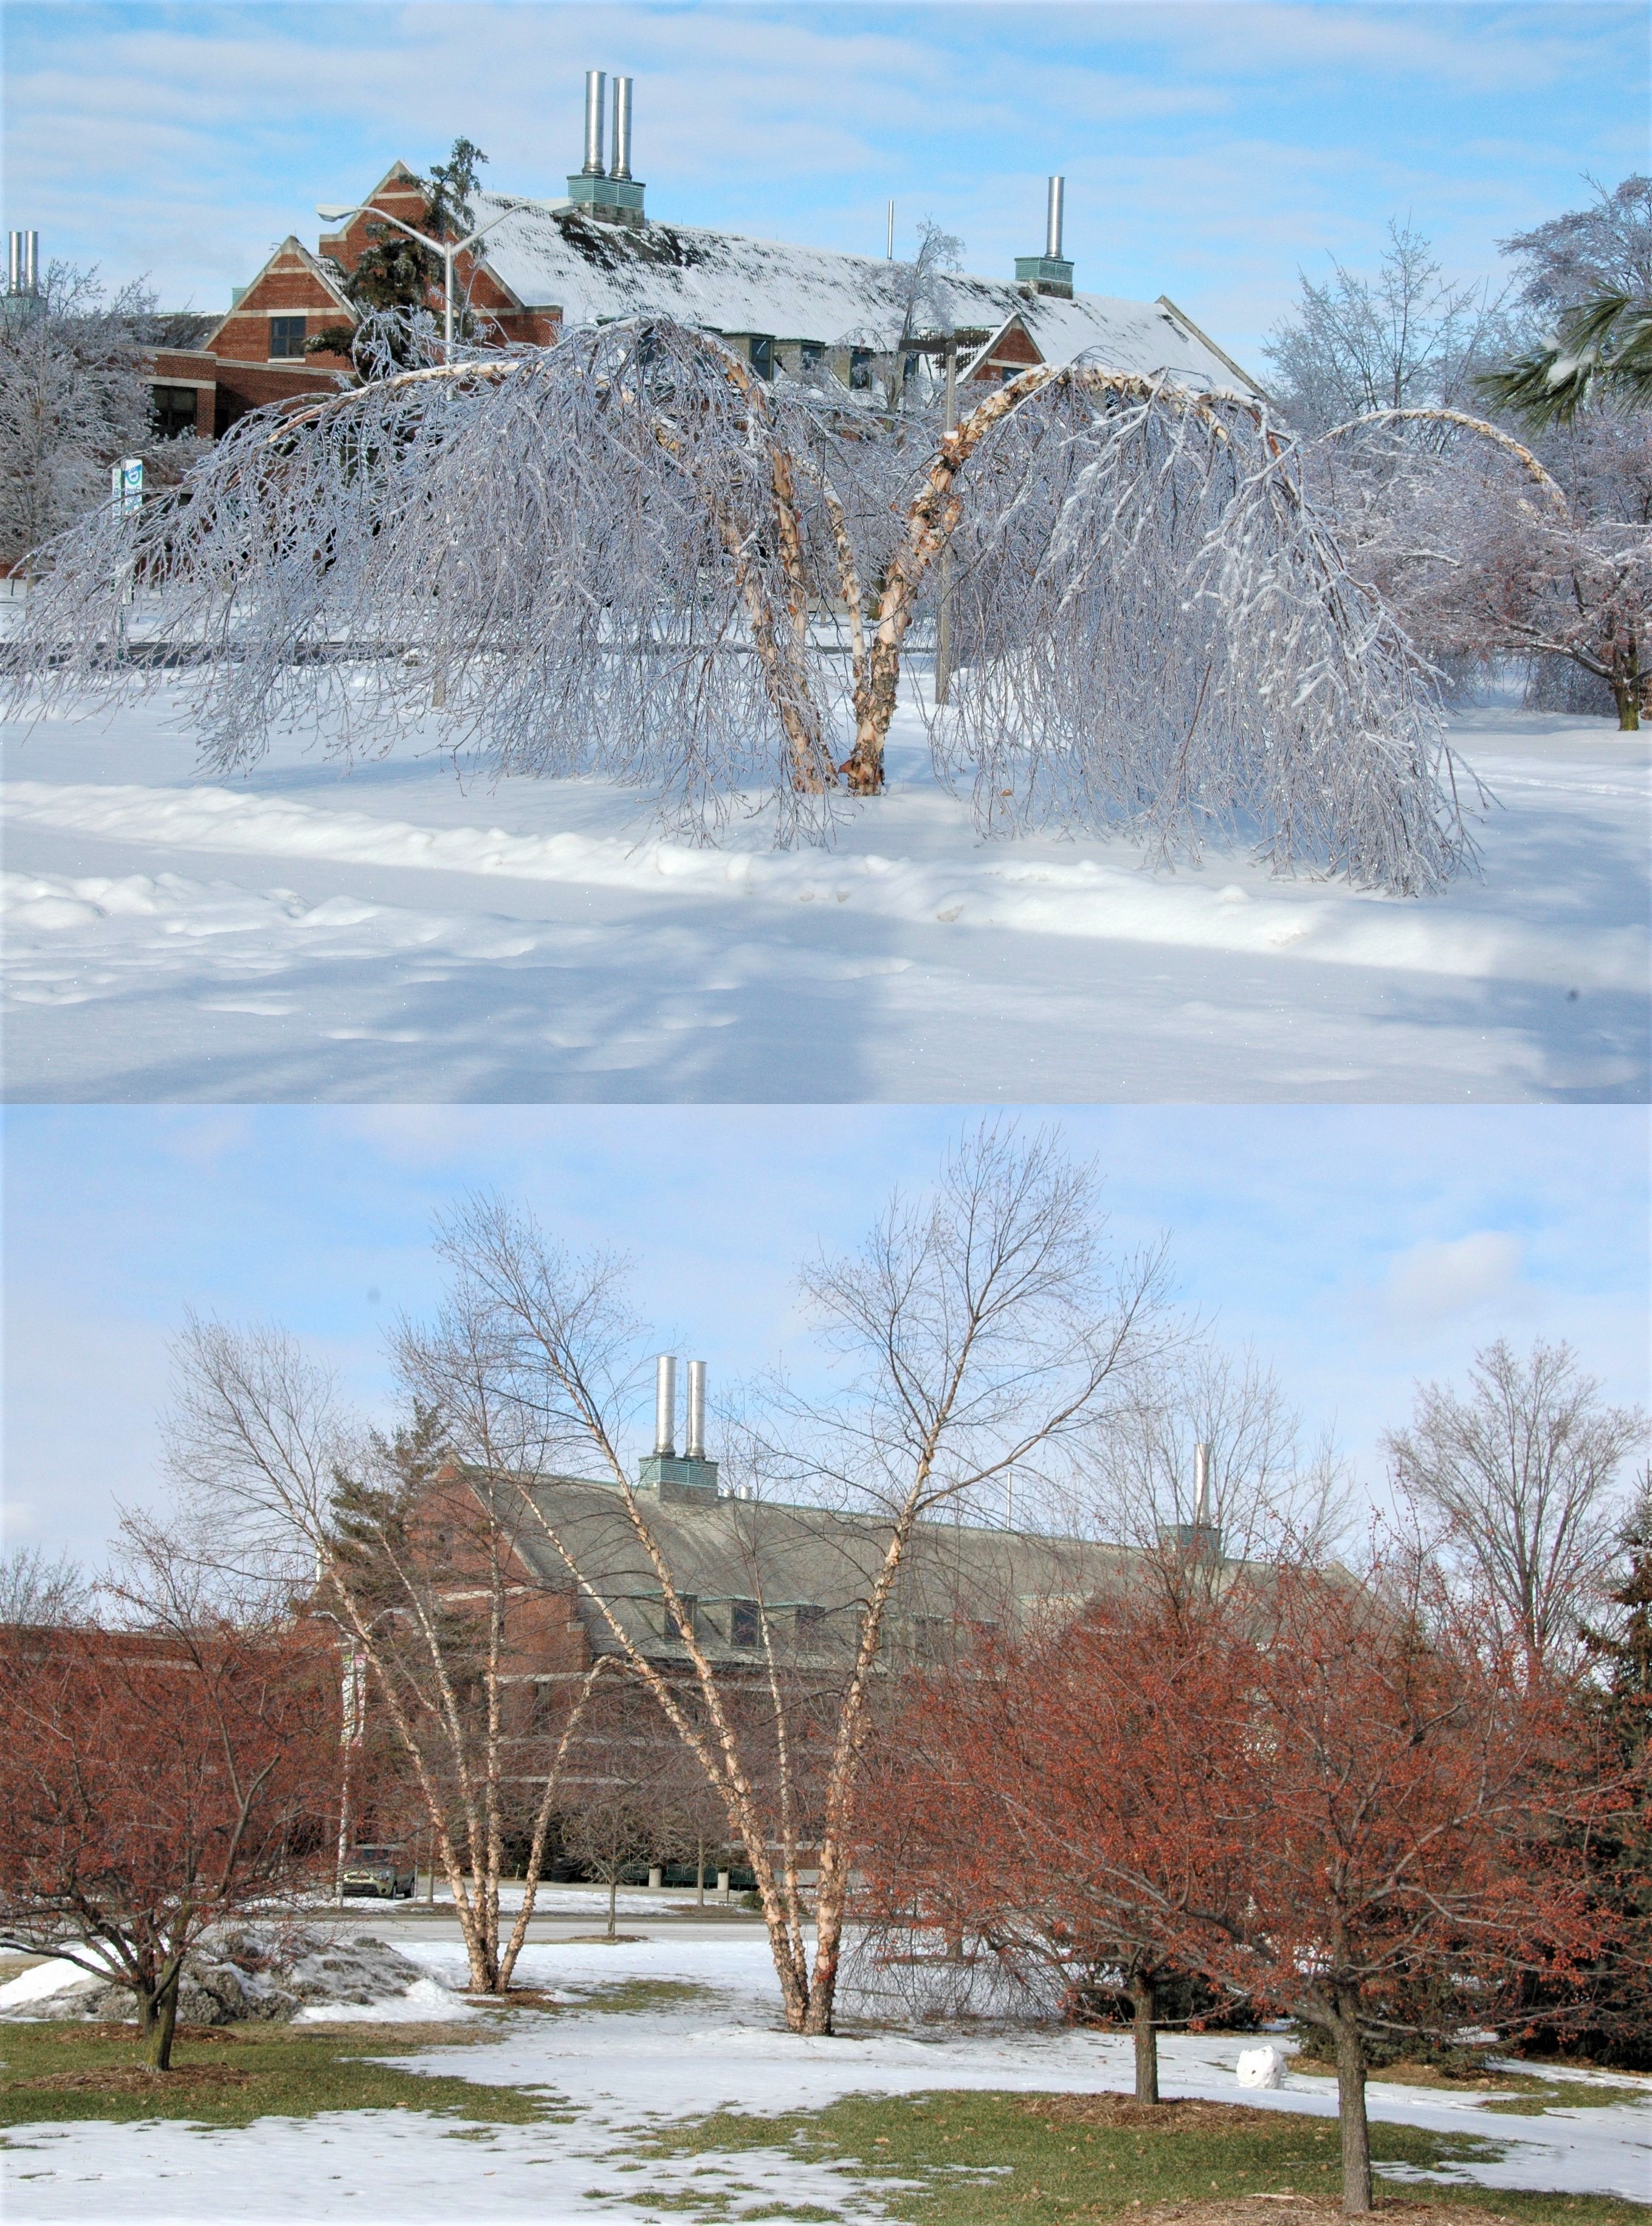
1486	547
1587	274
1407	335
395	283
1158	629
73	398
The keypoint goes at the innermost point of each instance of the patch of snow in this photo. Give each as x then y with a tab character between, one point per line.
426	2001
304	933
57	1976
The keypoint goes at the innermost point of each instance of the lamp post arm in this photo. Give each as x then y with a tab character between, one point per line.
445	249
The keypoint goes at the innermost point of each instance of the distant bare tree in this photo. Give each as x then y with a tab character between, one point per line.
1272	1497
1517	1475
1408	336
36	1587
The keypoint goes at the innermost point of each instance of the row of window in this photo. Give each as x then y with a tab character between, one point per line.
811	360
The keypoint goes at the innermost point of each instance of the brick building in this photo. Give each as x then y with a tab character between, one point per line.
595	255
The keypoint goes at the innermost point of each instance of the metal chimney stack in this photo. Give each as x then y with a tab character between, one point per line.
594	82
22	263
1201	1454
621	128
665	1406
1053	221
695	1448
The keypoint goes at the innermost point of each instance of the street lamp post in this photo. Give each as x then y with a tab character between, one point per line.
446	251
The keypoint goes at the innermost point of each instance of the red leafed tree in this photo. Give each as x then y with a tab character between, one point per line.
1406	1781
1311	1792
1056	1800
155	1780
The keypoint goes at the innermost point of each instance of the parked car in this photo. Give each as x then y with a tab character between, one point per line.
385	1872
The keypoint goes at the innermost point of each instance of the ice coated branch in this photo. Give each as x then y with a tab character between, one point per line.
625	555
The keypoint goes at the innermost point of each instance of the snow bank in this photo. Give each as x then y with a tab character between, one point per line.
279	1976
1000	889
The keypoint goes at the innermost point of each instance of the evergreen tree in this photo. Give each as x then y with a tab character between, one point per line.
394	279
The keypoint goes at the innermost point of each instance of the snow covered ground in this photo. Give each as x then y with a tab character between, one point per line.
401	933
617	2073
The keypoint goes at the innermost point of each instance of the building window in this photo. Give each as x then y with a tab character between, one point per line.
910	370
744	1624
286	337
691	1602
174	410
812	355
812	1623
861	368
763	355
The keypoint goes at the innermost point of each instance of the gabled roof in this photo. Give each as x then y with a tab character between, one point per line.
550	255
325	273
795	1555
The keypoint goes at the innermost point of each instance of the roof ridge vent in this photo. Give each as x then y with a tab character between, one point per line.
1051	272
687	1478
612	195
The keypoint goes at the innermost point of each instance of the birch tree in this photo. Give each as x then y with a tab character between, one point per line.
625	555
417	1573
982	1330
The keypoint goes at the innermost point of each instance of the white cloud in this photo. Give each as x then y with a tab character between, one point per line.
1432	1283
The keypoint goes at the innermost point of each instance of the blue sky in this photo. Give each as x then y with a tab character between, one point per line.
1209	148
1358	1248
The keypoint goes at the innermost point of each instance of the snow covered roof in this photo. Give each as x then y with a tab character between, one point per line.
549	254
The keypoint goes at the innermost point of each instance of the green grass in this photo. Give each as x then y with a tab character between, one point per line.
995	2159
1540	2095
289	2070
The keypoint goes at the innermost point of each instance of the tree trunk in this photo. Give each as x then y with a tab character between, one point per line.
613	1897
700	1872
1144	2019
161	2022
1627	694
1351	2116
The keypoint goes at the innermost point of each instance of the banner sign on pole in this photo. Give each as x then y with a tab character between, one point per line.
126	483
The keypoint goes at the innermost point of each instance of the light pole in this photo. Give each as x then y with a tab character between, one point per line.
331	215
943	613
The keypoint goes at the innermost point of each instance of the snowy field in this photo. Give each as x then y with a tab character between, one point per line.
404	934
617	2074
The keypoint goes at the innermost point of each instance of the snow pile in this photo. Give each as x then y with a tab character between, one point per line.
235	1976
1261	2067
